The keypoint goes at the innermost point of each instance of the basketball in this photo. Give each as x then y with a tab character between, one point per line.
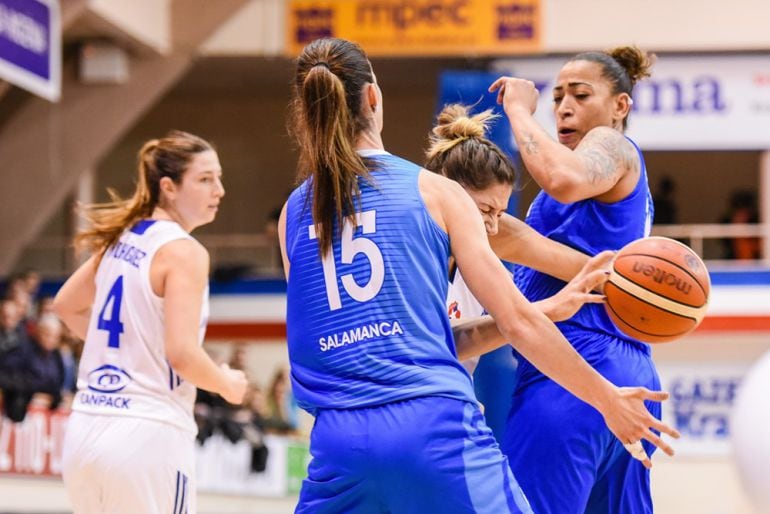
658	290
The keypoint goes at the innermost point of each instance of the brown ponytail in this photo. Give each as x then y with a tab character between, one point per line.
158	158
327	119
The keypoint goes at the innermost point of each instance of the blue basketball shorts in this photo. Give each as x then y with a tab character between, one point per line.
566	459
423	455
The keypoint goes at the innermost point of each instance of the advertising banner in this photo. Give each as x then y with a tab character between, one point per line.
34	446
689	103
419	27
30	46
700	406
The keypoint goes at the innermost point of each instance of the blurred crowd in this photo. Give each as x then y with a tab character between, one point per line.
38	366
38	355
270	410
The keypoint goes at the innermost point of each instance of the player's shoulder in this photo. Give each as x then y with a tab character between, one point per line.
608	138
184	252
440	183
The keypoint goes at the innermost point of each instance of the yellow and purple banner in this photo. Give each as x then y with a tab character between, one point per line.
419	27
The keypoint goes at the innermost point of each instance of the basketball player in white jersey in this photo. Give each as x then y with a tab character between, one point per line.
141	305
459	150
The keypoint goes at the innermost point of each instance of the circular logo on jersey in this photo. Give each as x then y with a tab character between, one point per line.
108	379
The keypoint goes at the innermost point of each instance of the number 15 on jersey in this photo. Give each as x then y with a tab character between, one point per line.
351	246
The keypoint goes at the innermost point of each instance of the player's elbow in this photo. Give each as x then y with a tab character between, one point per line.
60	307
563	189
176	355
524	328
561	183
64	310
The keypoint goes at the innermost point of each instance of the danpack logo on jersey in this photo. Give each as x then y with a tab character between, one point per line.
108	379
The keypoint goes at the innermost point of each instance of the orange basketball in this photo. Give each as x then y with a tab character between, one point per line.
658	290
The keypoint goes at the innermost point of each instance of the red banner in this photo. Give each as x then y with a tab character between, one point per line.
34	446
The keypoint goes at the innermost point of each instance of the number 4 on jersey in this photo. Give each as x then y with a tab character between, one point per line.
113	325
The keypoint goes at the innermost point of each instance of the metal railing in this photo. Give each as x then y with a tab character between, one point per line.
696	235
259	254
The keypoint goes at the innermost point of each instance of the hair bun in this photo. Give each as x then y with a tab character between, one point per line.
454	122
636	62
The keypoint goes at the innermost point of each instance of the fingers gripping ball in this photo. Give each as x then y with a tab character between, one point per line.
658	290
750	426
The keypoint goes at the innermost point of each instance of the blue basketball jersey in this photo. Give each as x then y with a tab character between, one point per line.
367	324
590	226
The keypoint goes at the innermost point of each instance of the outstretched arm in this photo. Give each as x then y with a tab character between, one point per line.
534	336
519	243
472	335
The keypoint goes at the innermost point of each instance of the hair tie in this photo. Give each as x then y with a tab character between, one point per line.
321	63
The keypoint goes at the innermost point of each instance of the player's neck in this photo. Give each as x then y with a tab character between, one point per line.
370	141
165	214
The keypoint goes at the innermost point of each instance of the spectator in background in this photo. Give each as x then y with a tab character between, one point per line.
45	306
13	341
23	288
12	332
215	414
46	370
18	293
252	417
742	209
32	280
34	368
282	408
664	200
238	358
70	350
271	232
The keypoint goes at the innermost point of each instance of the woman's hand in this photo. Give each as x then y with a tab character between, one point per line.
564	304
514	93
631	422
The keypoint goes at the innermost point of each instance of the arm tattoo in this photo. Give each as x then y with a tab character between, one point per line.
530	145
606	156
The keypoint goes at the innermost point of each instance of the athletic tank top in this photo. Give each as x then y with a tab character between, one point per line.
368	325
462	305
123	370
590	226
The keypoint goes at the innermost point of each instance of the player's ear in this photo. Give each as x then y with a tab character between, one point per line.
622	107
372	97
167	188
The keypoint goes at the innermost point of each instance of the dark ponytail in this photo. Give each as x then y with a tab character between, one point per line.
326	121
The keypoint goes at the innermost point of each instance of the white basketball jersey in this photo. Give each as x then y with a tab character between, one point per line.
123	370
461	304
